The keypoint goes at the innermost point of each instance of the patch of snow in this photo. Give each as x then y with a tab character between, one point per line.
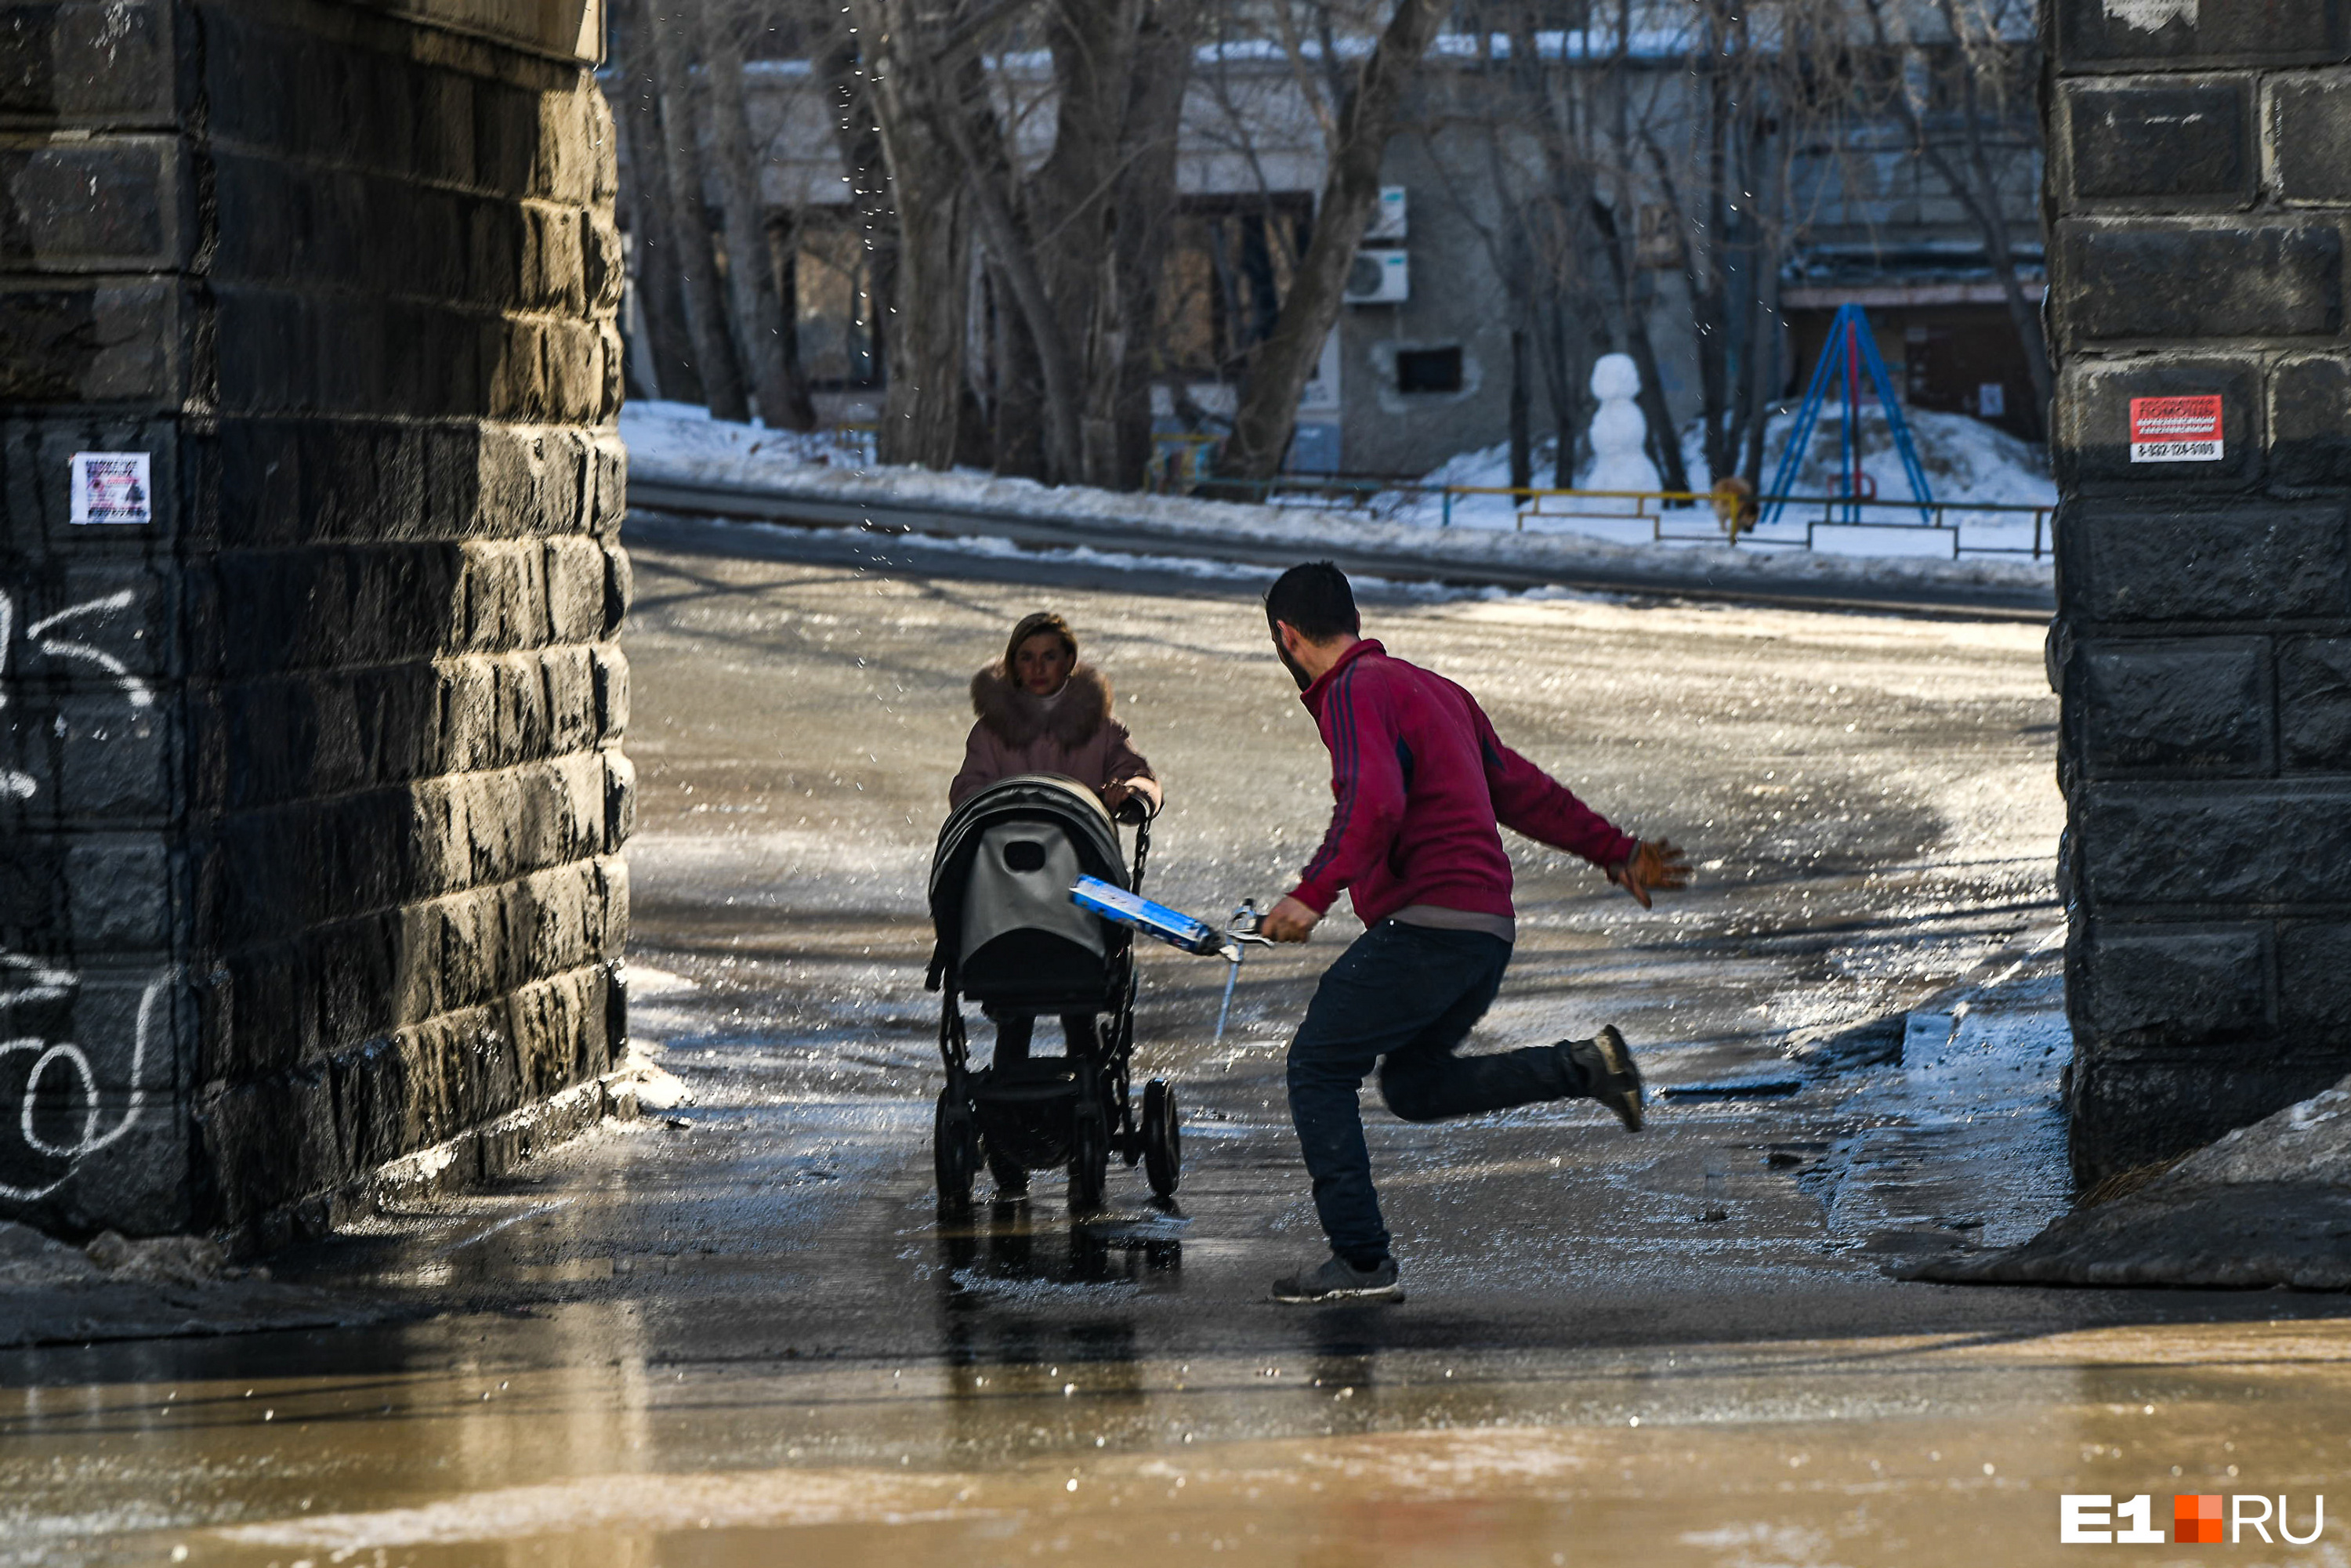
680	441
1964	459
29	1259
1037	1292
645	983
423	1166
656	1088
698	450
1970	1127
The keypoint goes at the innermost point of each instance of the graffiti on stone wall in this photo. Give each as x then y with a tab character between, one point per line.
53	1115
54	1110
41	642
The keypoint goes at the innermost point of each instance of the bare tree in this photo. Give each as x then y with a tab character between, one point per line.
653	243
1020	217
757	306
898	80
1359	116
1987	65
968	122
1069	241
1077	243
675	40
1765	91
1145	199
1538	241
1565	150
858	138
1615	202
1544	163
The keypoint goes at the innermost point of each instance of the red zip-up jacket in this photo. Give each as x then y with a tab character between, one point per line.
1421	781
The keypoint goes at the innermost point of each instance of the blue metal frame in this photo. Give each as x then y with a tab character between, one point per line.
1848	331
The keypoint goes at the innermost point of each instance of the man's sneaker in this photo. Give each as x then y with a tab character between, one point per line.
1340	1280
1609	1075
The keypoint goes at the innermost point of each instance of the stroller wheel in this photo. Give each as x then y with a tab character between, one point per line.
1163	1138
1089	1159
954	1151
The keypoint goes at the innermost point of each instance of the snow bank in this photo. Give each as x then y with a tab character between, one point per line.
680	441
665	445
2267	1206
1965	460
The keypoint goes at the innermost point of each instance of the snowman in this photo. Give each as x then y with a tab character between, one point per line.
1618	433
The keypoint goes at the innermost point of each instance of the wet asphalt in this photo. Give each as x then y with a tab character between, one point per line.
738	1331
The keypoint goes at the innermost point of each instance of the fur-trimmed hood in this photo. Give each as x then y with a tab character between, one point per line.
1016	719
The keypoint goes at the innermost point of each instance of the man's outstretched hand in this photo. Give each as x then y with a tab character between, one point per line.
1655	866
1288	921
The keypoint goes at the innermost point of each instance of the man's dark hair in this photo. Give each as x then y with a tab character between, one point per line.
1314	598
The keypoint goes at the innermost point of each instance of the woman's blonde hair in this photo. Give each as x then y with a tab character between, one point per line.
1042	621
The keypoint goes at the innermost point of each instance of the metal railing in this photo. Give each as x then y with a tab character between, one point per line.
1672	516
1179	465
1660	509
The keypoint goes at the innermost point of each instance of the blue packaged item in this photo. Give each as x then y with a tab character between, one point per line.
1172	926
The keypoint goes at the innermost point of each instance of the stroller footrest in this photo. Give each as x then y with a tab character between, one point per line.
1026	1086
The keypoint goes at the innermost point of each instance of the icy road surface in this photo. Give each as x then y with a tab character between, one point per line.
737	1333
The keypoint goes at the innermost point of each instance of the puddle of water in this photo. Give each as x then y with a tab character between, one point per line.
1917	1451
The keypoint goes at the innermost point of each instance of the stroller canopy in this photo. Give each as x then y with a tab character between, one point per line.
999	893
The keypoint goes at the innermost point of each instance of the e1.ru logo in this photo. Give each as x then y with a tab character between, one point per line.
2091	1519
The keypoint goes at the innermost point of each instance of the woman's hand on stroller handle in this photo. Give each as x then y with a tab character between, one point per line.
1127	803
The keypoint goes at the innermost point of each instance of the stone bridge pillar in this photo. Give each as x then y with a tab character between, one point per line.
2199	188
310	800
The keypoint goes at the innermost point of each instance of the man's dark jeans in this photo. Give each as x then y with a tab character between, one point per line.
1409	994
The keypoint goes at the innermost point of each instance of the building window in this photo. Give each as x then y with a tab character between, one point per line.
1429	370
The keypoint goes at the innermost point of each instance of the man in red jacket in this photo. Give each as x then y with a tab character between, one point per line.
1421	782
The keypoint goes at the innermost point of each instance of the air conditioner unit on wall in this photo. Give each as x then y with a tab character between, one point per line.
1379	277
1388	224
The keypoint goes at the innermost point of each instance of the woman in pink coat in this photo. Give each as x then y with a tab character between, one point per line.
1041	711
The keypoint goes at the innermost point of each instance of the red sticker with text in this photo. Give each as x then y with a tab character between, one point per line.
2175	428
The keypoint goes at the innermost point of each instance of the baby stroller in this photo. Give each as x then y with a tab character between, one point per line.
1010	939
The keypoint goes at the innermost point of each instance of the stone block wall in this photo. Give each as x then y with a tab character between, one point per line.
2199	194
311	797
